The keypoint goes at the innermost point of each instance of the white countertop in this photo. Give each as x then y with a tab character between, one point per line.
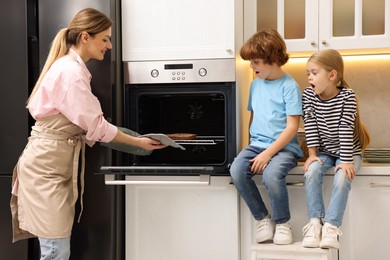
379	169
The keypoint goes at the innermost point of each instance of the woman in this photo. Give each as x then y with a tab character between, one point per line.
67	116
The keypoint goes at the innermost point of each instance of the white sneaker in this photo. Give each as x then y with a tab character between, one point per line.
264	229
330	235
283	234
312	233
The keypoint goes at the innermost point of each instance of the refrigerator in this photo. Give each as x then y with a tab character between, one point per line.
29	27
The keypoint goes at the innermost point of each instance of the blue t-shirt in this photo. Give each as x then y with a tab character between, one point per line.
271	101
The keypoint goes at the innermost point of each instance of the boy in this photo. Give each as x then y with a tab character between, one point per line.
275	103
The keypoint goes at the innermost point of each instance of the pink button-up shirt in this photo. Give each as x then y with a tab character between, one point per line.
66	89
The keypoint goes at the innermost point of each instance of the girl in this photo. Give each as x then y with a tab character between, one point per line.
67	116
335	138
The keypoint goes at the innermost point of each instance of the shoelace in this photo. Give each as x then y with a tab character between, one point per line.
332	232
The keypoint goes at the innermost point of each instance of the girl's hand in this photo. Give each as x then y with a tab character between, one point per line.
348	170
309	160
150	144
260	162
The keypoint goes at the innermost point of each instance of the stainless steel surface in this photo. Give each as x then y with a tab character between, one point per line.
201	180
181	71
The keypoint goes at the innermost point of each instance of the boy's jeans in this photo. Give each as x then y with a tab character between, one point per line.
273	178
341	187
55	248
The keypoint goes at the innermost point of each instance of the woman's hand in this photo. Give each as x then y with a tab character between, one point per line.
310	160
348	170
150	144
260	162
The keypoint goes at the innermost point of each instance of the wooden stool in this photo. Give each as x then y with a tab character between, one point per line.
288	252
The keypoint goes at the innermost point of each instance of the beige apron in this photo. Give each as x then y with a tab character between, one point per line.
46	179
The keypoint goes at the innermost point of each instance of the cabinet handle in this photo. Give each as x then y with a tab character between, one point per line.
296	184
313	43
379	185
324	42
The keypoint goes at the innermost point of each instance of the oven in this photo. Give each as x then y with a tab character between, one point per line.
171	189
193	96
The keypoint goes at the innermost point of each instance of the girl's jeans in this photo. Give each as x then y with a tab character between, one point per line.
274	179
341	187
54	248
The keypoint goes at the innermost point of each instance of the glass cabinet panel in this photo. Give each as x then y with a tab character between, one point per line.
294	19
373	17
266	14
343	18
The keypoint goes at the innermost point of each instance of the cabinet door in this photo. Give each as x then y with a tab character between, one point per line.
311	25
177	222
295	20
354	24
366	226
176	29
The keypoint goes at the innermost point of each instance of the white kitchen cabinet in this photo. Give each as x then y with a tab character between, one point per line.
297	200
311	25
177	30
366	225
183	221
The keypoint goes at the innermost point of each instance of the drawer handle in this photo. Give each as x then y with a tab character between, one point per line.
296	184
379	185
204	180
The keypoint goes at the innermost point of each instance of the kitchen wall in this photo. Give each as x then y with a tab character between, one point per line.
368	75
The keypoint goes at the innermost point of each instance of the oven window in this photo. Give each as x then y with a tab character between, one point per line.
203	114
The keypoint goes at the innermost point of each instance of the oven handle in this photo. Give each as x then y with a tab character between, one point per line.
204	180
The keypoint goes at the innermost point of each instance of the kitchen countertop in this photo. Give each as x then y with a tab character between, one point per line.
367	169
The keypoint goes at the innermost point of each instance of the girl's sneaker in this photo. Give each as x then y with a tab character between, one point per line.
312	233
330	235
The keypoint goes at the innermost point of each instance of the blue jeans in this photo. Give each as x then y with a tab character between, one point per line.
341	187
55	248
274	179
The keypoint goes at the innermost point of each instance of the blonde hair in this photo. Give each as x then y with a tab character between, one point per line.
267	45
87	20
332	60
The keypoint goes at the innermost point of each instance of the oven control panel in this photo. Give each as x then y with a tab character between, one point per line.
180	71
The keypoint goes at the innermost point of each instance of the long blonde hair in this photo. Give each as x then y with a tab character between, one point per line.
87	20
332	60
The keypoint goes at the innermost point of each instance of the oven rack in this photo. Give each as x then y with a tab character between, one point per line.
202	140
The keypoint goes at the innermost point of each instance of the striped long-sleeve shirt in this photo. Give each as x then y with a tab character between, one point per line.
329	124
